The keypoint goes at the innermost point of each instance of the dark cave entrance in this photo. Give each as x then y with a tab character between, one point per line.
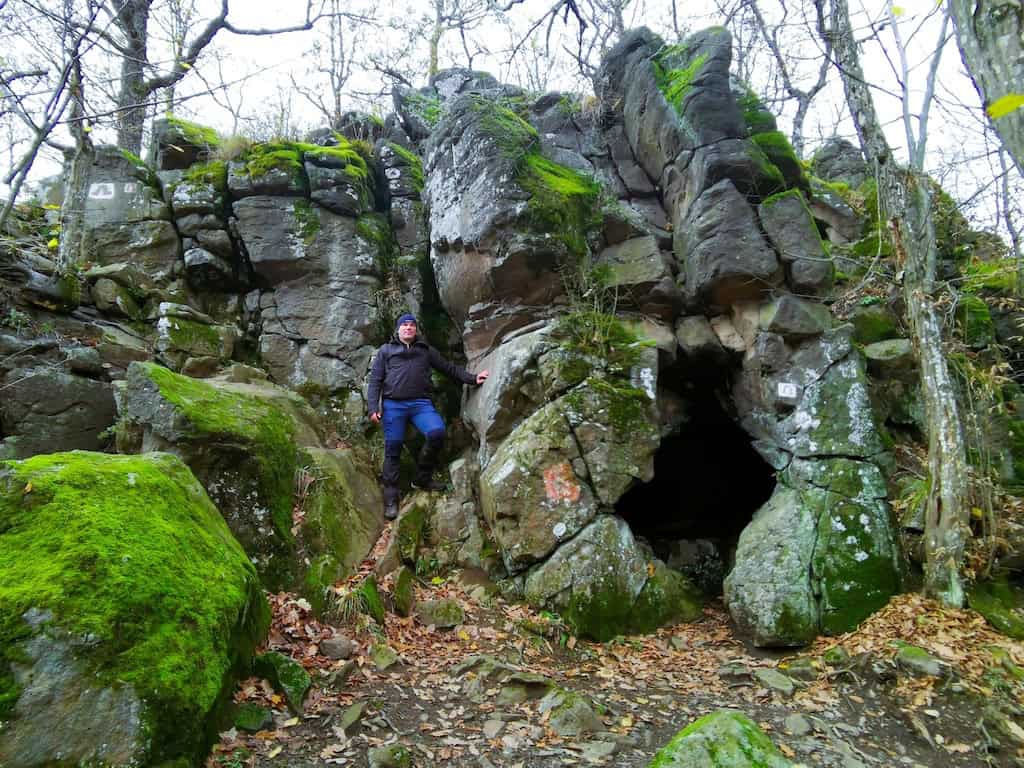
708	482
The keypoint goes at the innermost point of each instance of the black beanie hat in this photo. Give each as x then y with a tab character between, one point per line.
406	318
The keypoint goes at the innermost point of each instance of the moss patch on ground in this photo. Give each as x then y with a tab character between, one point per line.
130	551
1002	605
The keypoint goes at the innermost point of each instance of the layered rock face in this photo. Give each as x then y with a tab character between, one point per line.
691	204
617	264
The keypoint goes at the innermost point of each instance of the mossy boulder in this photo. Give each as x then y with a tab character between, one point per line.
340	519
874	322
856	554
1001	603
443	614
819	556
975	321
723	739
286	675
531	493
597	580
667	597
127	611
241	441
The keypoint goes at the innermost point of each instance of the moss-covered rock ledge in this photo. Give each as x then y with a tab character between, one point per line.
127	610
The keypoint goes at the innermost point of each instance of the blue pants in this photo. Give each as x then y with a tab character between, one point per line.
428	421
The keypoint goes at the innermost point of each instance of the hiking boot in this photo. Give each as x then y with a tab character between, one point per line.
429	484
390	510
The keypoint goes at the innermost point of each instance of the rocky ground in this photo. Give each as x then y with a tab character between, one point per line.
862	699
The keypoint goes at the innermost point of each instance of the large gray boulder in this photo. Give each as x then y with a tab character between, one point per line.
726	258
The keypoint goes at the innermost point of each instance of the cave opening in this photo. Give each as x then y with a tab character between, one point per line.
708	482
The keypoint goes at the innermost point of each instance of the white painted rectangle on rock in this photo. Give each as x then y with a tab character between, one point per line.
101	190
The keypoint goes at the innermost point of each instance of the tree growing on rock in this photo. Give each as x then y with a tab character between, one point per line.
905	199
991	39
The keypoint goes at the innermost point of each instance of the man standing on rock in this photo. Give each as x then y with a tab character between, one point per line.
401	374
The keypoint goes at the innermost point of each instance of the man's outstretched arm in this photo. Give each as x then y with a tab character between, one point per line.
375	386
453	371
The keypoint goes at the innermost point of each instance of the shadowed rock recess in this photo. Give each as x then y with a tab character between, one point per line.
671	411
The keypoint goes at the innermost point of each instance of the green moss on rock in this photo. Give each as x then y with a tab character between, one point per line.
563	202
780	154
307	219
1002	605
263	428
372	604
675	81
194	133
722	739
286	675
130	552
667	597
412	162
975	321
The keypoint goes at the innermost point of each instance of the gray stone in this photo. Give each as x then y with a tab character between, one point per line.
727	259
787	222
152	246
514	386
699	341
593	580
570	714
200	367
114	299
797	725
642	275
280	182
337	647
208	271
775	681
768	592
217	241
892	359
793	318
444	613
46	410
335	190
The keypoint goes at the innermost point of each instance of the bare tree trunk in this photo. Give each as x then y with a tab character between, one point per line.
76	190
907	206
991	38
133	21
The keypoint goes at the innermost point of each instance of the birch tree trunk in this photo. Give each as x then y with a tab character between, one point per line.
906	204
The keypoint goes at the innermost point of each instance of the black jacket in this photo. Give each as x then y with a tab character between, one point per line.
403	373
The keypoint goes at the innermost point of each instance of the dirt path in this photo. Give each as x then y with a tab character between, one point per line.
865	710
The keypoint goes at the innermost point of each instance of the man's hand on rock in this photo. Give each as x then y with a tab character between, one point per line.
375	417
482	377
